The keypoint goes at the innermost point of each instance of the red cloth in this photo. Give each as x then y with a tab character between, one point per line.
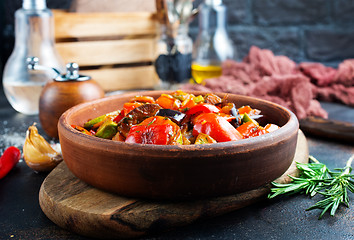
281	80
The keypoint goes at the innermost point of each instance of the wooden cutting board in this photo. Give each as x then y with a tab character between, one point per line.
78	207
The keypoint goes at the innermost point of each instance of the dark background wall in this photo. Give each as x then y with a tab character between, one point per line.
304	30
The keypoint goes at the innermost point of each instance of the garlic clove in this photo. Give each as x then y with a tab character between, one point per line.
38	153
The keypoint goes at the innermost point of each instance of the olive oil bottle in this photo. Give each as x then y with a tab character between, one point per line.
212	45
199	72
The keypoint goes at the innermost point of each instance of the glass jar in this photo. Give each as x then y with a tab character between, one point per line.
212	45
174	56
34	36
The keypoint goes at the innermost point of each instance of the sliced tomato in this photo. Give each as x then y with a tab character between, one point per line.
203	108
216	127
155	130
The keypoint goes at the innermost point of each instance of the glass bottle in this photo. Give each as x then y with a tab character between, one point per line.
174	56
213	45
34	36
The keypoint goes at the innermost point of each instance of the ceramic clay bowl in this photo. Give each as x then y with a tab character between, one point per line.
177	172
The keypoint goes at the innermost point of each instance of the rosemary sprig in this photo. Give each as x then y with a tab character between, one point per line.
317	178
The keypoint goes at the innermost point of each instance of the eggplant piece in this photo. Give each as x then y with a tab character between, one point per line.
136	116
176	116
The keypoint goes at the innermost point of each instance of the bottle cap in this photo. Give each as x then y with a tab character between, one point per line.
34	4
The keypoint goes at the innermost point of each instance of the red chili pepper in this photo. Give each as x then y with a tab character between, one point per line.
8	160
216	127
203	108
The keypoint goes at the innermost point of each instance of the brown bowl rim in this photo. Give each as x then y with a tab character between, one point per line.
249	143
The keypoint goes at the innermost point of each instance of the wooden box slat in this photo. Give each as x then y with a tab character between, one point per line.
113	6
76	25
111	79
92	53
116	49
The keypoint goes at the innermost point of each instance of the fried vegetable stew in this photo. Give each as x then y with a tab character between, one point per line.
178	118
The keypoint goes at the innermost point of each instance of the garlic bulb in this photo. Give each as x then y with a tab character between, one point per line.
38	153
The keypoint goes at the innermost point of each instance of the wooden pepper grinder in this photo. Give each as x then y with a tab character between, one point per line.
64	92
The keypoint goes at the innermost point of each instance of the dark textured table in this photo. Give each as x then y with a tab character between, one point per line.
282	218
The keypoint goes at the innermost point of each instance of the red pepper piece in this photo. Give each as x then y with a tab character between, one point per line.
216	127
168	102
155	130
244	109
155	134
143	99
81	129
188	103
247	129
203	108
260	131
8	160
130	106
120	116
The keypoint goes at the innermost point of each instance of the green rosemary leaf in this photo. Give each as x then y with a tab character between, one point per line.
317	178
345	198
335	206
287	189
325	210
351	185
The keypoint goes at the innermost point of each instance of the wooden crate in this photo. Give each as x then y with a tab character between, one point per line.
116	49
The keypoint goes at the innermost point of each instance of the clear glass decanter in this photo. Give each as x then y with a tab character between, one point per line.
34	36
213	45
